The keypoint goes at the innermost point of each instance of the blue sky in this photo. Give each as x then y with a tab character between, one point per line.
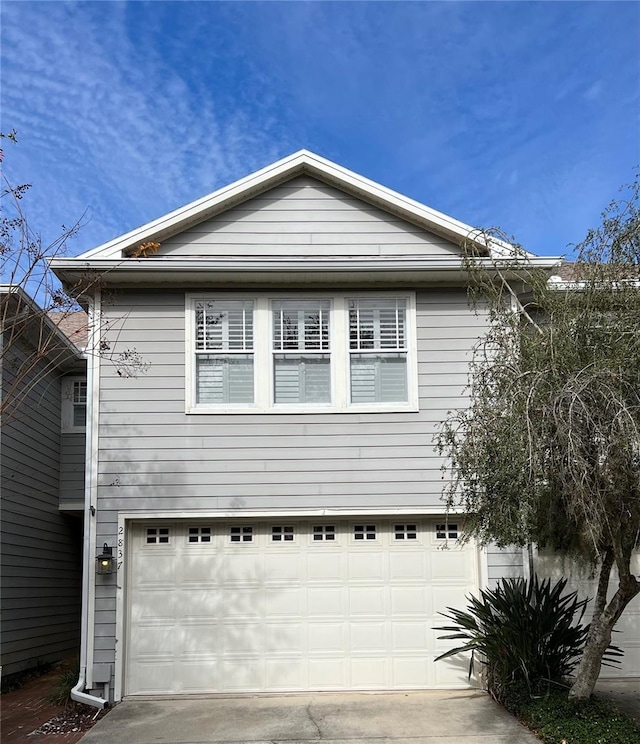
523	115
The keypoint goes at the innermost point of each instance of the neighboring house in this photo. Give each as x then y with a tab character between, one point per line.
270	487
42	484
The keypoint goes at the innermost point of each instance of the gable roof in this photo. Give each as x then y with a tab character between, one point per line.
115	255
302	162
24	319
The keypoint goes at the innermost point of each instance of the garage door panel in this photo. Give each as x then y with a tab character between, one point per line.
160	604
409	637
409	600
239	602
325	566
367	601
200	638
408	565
202	601
242	638
449	565
157	569
150	639
284	675
367	566
305	614
369	673
326	638
326	602
282	567
411	671
284	638
368	637
284	602
327	674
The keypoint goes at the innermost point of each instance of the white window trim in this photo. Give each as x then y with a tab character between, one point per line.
263	359
66	405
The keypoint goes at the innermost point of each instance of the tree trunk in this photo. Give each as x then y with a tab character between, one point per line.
605	616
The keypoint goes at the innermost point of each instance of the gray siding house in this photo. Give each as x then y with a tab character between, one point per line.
42	485
269	485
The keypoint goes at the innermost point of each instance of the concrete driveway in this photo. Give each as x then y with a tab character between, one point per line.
434	717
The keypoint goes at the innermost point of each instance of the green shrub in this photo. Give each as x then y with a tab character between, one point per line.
555	718
522	632
64	683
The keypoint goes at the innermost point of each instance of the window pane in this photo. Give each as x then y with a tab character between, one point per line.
224	379
302	379
377	378
377	324
226	325
79	391
300	325
79	415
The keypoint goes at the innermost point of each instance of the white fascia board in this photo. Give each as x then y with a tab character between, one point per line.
172	264
301	162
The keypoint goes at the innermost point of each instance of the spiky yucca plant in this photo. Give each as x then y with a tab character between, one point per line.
522	632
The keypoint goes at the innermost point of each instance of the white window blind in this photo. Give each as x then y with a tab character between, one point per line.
224	352
378	350
301	351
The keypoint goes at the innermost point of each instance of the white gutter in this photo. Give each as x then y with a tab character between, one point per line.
332	264
77	693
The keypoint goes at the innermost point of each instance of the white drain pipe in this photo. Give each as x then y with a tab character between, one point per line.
77	692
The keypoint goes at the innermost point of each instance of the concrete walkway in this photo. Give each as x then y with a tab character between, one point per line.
434	717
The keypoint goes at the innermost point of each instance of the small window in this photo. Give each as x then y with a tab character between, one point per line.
199	534
405	531
74	405
444	531
324	532
282	533
364	532
241	534
156	535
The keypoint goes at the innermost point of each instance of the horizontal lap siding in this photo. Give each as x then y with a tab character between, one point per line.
72	466
153	454
40	551
154	457
306	218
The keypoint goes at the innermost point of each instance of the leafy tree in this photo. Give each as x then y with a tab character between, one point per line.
548	450
32	301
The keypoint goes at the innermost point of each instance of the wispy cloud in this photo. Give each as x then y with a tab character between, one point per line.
518	114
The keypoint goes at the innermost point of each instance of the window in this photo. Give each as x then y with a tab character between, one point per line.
324	532
301	351
444	531
199	534
316	352
282	533
405	531
224	352
157	535
74	404
364	532
241	534
378	350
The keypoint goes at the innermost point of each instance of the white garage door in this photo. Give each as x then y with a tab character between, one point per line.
627	630
258	607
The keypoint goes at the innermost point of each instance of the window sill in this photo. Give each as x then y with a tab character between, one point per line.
390	408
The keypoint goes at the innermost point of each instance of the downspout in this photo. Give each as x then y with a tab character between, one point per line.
77	692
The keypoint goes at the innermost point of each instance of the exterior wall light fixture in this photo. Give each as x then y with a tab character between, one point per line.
105	562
